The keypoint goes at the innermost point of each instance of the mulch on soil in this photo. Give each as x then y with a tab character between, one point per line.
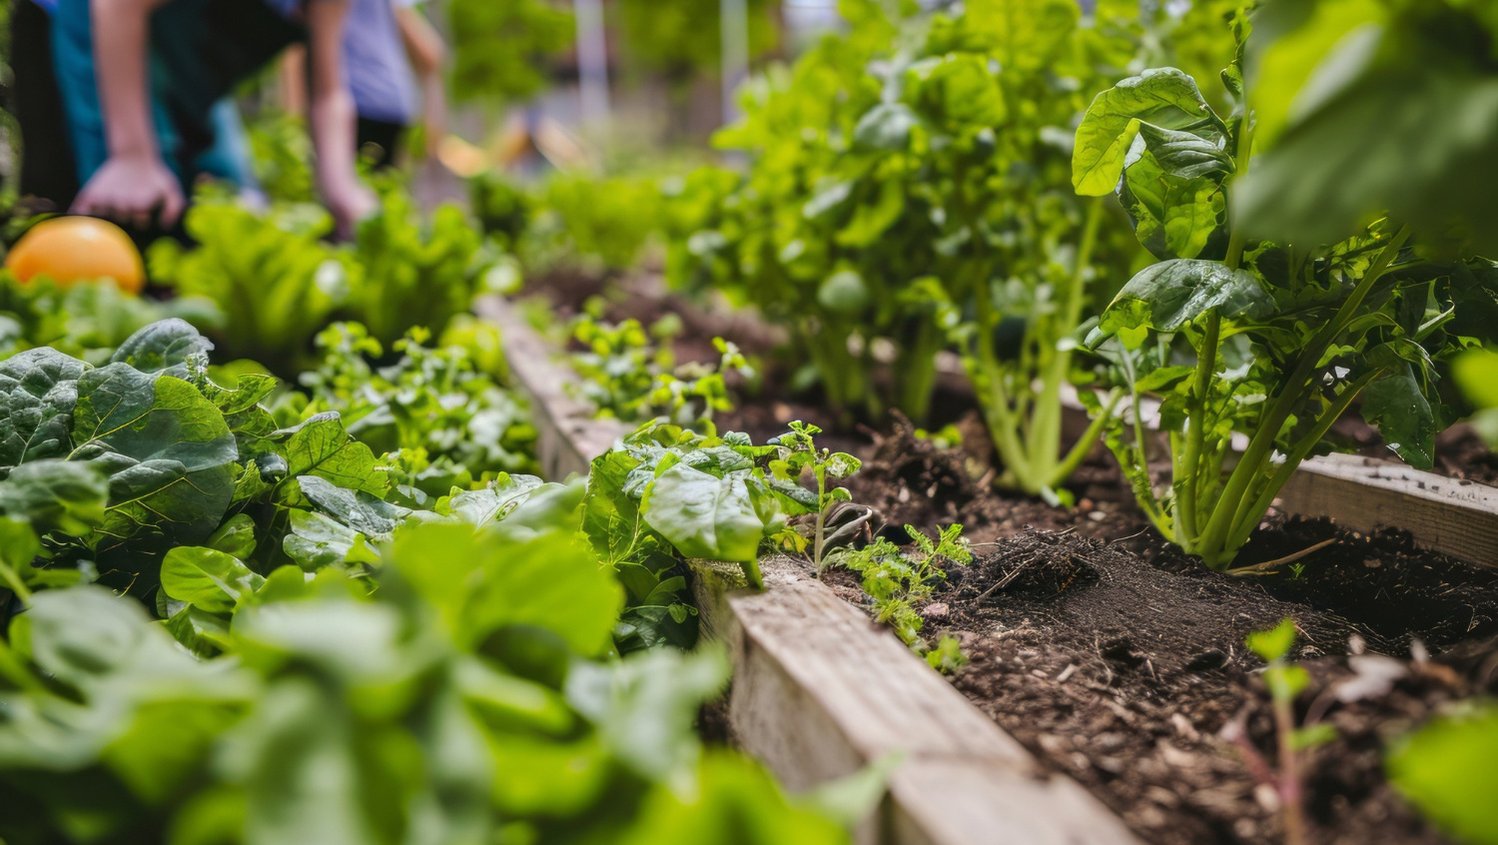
1120	661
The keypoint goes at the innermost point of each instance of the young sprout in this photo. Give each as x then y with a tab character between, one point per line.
1286	681
797	455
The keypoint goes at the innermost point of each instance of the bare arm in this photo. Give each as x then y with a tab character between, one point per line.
133	182
331	116
428	58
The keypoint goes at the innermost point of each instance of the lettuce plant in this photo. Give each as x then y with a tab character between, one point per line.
1273	340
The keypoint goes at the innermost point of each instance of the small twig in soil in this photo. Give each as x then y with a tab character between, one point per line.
1268	565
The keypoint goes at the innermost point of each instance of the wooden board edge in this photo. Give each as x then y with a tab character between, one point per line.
820	692
959	780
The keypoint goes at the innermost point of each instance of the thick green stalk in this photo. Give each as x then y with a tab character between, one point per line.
1084	444
1045	434
1261	444
1187	500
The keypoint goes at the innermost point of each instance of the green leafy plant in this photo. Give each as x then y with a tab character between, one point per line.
85	321
434	400
1286	681
271	271
501	50
909	190
796	455
603	223
896	580
411	272
1274	341
631	374
466	684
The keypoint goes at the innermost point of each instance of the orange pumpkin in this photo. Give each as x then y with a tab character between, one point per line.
69	250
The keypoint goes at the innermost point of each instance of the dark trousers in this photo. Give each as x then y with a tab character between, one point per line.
48	173
379	141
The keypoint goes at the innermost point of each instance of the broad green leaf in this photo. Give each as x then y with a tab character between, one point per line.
958	91
167	451
1171	295
645	720
38	390
321	447
886	127
66	496
1384	79
86	634
495	501
300	770
366	514
1165	97
1397	406
209	579
1446	770
172	347
704	516
316	541
478	584
1186	155
235	537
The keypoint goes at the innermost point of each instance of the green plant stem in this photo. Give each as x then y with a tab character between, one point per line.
1191	463
13	581
1291	800
1045	432
1261	444
1084	444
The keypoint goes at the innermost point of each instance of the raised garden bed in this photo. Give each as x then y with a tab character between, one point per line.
1116	661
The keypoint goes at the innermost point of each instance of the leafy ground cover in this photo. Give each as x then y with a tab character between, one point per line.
242	610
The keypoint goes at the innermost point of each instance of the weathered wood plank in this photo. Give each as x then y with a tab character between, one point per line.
1458	518
820	692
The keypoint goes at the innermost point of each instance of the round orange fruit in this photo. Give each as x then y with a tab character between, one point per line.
69	250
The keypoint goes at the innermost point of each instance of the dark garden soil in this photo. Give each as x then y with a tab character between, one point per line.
1120	662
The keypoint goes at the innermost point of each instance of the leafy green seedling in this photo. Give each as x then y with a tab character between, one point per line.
896	579
630	373
797	455
1286	681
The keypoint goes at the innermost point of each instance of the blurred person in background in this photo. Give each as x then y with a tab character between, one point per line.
145	102
394	60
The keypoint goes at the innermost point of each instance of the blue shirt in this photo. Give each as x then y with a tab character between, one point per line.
374	61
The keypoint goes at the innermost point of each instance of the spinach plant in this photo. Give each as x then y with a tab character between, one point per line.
1270	340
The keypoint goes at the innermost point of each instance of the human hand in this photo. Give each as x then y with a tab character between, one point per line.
349	204
131	190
